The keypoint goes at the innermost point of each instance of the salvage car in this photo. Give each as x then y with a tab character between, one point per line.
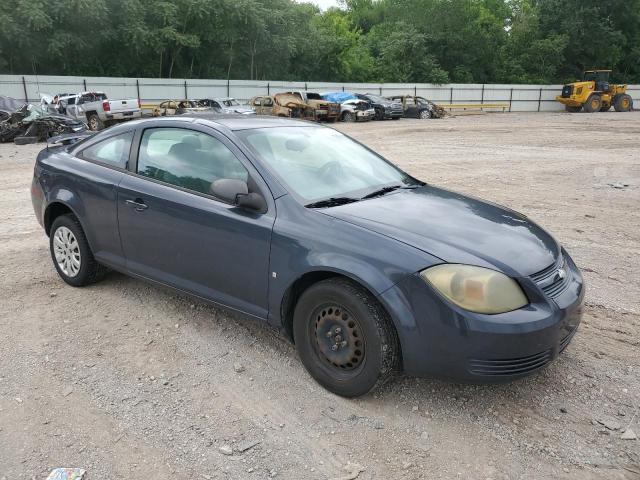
419	107
282	105
352	109
367	269
178	107
322	109
97	111
384	108
24	123
226	105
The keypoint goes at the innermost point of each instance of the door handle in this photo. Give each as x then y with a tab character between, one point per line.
138	204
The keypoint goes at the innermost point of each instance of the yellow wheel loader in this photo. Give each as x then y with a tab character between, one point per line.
595	94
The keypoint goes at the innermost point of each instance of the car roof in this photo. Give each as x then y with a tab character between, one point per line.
229	121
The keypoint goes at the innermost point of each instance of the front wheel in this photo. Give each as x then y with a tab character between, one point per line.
345	338
71	254
425	114
348	117
594	103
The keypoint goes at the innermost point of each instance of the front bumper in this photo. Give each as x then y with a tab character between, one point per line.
568	101
439	339
363	115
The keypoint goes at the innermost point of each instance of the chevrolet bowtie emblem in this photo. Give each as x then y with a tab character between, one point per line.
561	273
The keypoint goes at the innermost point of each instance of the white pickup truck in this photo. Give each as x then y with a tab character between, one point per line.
97	111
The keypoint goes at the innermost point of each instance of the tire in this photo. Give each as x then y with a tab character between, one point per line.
623	103
25	140
94	122
396	118
594	102
605	107
424	114
360	356
379	114
572	109
348	117
67	242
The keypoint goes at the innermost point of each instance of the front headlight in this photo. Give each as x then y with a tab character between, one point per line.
476	289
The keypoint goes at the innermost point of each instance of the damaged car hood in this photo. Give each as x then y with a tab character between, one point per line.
455	228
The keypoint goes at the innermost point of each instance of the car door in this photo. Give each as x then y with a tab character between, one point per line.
99	166
71	108
176	232
411	108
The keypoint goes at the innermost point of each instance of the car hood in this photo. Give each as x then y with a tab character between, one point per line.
456	229
242	110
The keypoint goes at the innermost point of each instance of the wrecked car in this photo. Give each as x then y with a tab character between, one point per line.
267	105
384	107
95	109
178	107
226	105
29	124
418	107
321	108
352	109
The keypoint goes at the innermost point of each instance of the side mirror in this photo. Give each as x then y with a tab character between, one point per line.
237	193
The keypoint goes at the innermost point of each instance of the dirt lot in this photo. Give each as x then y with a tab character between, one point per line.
131	381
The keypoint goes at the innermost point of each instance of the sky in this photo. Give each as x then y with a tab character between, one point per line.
323	4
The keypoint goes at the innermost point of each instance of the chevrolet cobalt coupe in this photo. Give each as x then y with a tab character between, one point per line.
367	269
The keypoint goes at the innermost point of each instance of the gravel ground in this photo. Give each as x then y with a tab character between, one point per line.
132	381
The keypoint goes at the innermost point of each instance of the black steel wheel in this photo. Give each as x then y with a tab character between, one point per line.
344	337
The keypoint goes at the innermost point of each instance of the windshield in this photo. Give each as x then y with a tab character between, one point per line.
230	102
318	163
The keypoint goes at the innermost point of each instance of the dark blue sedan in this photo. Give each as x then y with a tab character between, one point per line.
369	270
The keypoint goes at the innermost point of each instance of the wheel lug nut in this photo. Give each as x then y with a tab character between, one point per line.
334	347
329	334
338	330
344	343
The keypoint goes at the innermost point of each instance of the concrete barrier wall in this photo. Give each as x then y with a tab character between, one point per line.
521	98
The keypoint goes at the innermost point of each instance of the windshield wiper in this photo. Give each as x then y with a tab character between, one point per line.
384	190
332	202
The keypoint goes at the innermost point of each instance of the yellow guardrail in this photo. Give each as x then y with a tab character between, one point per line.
473	106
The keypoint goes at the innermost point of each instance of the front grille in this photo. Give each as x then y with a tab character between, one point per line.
509	366
567	90
554	279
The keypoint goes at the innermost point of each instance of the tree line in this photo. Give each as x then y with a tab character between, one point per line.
437	41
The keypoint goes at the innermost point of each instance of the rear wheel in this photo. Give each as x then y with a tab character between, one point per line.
594	103
623	103
71	254
94	122
572	109
345	338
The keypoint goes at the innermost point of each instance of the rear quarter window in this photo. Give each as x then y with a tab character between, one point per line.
112	151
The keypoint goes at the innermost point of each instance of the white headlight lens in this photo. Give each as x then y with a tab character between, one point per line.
476	289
